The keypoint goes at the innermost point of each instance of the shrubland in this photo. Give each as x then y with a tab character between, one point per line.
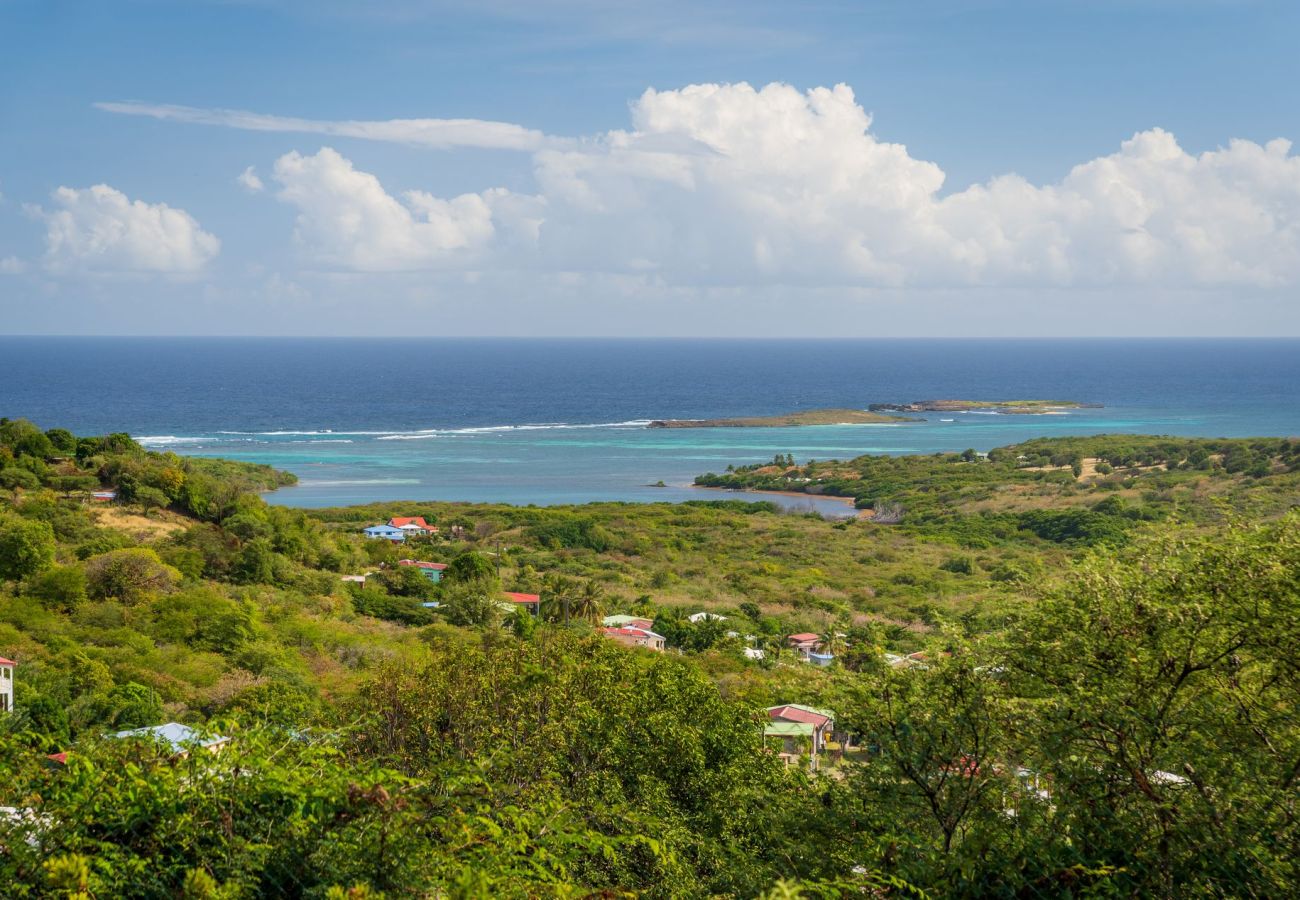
1103	703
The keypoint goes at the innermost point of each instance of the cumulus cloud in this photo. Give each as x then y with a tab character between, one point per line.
436	133
347	219
249	180
101	229
716	185
795	187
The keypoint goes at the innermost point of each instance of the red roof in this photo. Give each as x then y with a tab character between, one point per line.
522	598
7	662
399	521
805	637
632	632
423	565
795	714
60	758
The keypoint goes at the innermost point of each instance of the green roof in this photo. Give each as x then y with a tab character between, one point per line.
788	729
618	621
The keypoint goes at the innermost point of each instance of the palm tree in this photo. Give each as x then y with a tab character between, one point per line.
558	595
589	603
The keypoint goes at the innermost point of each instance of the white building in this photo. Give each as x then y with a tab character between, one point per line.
6	684
705	617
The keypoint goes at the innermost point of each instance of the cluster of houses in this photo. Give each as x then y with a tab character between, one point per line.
399	528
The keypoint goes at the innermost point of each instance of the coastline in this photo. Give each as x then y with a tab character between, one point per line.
801	495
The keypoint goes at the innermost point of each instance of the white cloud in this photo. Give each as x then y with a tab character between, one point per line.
435	133
795	188
101	229
249	181
347	219
717	185
12	265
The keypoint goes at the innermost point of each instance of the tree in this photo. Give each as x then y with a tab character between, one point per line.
135	706
60	587
470	566
129	574
26	547
558	597
474	604
589	603
151	498
14	477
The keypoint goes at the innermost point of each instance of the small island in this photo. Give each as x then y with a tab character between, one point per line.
1008	407
809	417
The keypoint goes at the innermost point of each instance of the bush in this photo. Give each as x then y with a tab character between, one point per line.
129	574
26	547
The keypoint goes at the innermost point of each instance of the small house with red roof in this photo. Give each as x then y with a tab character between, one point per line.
6	684
413	525
804	644
430	570
795	724
530	602
629	636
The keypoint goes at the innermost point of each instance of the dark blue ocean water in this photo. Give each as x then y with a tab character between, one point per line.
559	421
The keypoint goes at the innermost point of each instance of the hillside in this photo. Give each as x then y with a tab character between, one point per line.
1101	632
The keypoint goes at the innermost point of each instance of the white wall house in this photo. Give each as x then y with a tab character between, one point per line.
6	684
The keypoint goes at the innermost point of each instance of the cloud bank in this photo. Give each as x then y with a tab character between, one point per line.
729	185
100	229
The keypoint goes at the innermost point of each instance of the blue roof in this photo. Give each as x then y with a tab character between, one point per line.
179	737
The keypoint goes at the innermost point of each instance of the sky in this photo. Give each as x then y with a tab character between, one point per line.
709	168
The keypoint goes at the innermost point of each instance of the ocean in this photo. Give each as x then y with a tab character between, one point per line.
564	421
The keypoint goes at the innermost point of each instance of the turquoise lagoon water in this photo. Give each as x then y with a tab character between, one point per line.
551	422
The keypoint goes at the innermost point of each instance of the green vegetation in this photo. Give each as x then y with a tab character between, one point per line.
1003	406
1103	702
807	417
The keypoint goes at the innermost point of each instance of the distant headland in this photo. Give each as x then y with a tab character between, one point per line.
808	417
1009	407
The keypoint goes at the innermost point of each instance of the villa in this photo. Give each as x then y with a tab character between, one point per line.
636	637
804	643
413	525
385	532
698	617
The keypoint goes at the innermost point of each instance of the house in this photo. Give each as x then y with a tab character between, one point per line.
754	653
821	659
413	525
698	617
430	570
6	684
793	735
104	496
356	579
530	602
636	637
819	724
627	622
179	739
804	643
385	532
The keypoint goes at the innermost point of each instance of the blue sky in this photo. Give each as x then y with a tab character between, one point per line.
726	210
